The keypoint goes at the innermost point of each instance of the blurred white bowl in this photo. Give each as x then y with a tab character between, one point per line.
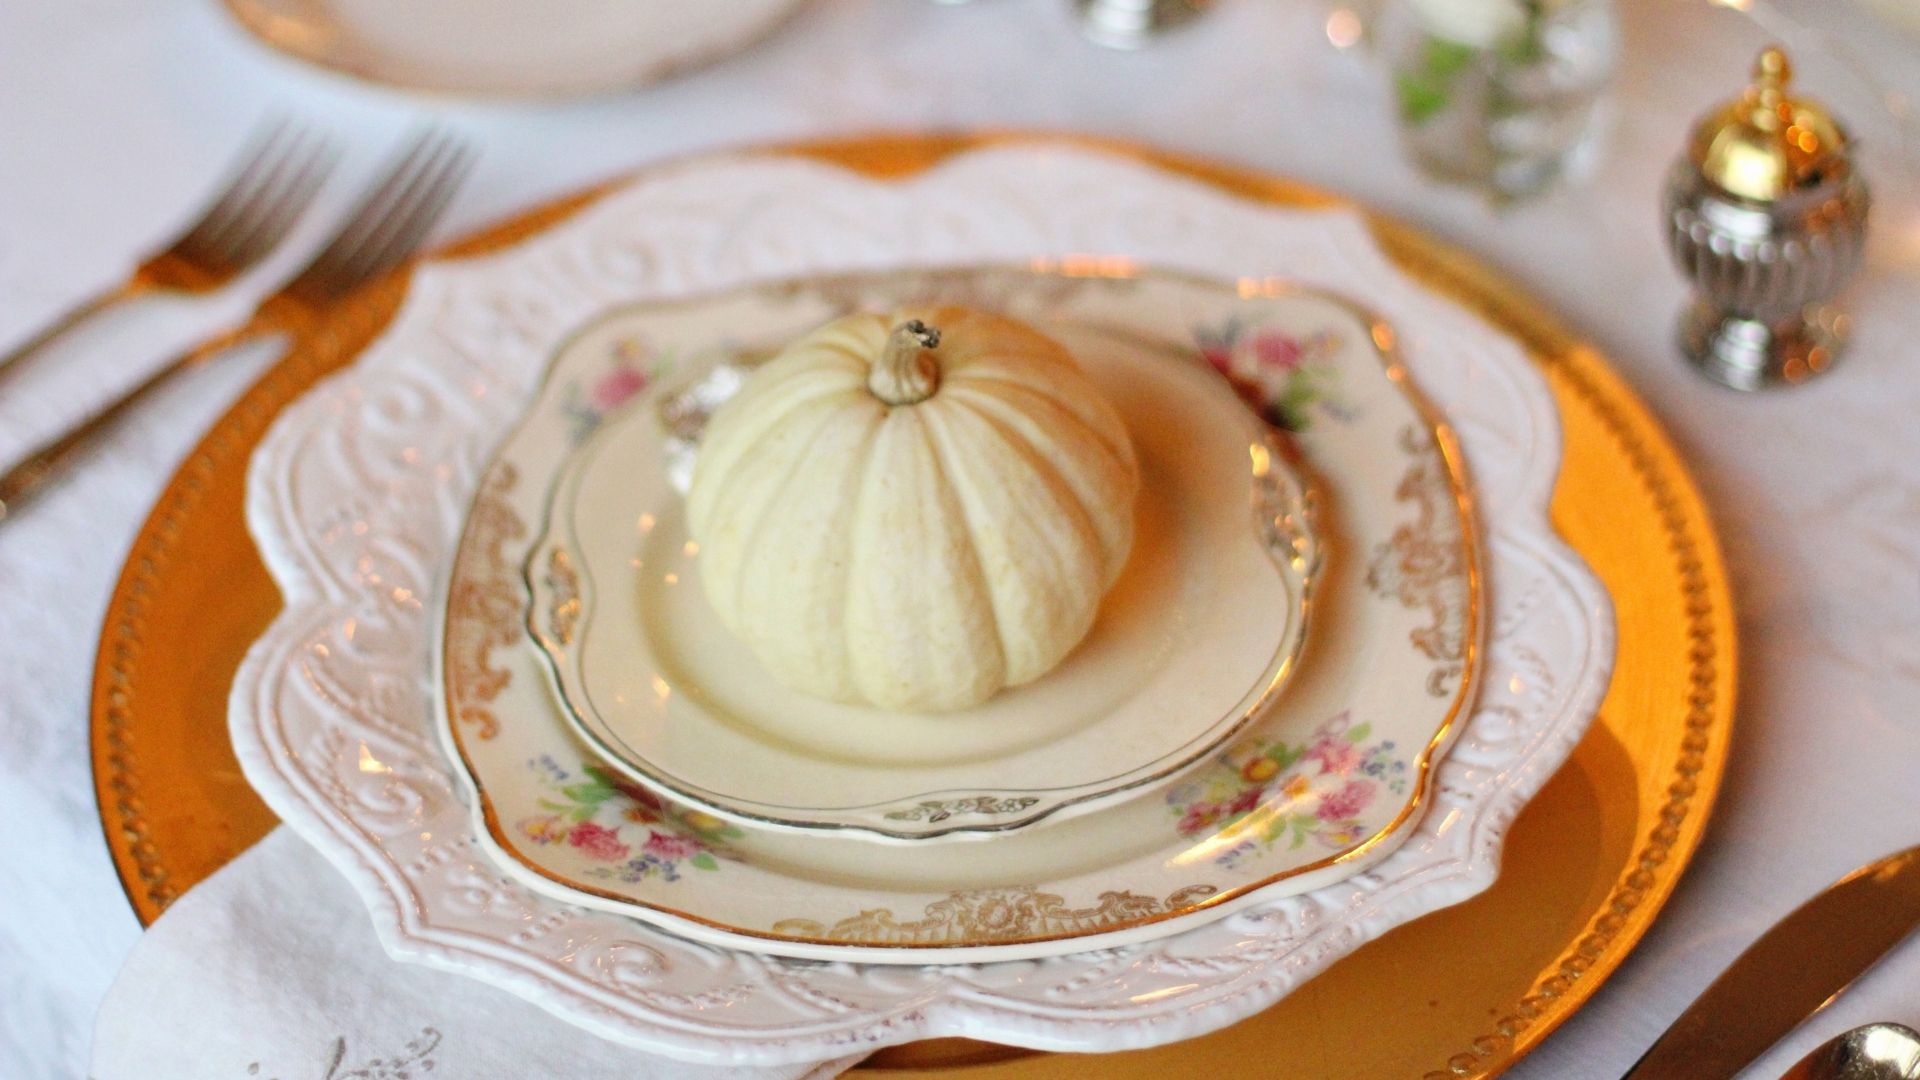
531	48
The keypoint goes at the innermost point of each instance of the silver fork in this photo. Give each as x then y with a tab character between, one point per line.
272	184
381	231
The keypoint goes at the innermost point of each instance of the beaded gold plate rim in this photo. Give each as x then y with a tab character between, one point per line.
193	595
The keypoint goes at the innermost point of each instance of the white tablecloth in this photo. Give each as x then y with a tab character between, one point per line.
115	115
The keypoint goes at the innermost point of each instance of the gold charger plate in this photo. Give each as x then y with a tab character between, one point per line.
1471	989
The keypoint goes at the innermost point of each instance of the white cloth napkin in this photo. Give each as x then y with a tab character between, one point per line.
270	968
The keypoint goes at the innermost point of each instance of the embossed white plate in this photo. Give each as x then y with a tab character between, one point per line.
1318	787
357	494
1197	637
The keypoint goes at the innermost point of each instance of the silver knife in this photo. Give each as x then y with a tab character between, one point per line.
1795	968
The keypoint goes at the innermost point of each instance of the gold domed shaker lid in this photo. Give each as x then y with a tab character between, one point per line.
1767	217
1766	144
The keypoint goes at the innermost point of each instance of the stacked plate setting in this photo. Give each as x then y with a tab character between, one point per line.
1333	671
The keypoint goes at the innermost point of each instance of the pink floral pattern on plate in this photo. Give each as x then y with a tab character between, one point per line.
1286	378
1265	793
608	820
633	364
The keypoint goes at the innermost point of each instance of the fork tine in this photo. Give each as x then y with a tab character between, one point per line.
372	207
409	237
262	149
410	220
284	205
217	244
397	210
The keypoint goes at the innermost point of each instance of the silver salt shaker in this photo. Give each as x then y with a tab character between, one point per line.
1767	217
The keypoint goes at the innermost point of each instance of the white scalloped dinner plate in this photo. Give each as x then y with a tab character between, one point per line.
357	494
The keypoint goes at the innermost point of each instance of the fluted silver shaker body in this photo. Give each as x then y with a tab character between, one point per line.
1764	274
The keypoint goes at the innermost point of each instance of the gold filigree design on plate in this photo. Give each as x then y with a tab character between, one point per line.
563	613
942	809
484	608
1010	913
1423	563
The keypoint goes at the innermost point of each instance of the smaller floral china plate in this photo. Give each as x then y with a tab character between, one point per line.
1196	638
1316	788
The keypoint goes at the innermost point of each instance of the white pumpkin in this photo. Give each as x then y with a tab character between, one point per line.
913	510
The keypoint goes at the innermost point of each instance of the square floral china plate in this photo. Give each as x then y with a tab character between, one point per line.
358	494
1319	786
1197	637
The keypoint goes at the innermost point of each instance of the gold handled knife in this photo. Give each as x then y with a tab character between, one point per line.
1795	968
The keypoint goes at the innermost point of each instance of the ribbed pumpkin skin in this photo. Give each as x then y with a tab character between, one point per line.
914	557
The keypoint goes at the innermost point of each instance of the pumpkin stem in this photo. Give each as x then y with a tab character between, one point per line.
907	372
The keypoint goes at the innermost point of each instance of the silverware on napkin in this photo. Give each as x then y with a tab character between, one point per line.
1790	973
273	182
381	231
